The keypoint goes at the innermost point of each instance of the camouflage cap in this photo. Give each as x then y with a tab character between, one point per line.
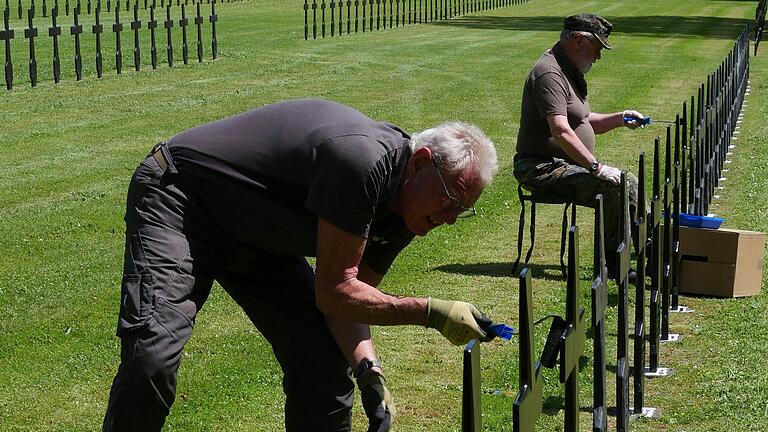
591	23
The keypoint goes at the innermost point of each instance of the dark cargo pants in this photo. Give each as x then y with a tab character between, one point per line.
577	184
173	253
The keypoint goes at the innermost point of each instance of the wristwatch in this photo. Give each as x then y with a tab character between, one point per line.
364	365
594	166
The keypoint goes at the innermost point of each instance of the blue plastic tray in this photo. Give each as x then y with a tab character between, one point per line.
700	221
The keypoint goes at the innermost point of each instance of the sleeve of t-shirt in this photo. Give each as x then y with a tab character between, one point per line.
346	182
550	93
381	256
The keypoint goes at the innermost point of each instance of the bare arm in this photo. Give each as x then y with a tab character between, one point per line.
602	123
354	339
569	141
341	288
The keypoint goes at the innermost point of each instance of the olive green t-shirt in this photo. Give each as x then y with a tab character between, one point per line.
549	91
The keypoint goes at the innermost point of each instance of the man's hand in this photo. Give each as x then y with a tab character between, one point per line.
633	119
455	320
377	401
608	173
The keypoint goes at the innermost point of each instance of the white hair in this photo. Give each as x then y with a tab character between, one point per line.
457	146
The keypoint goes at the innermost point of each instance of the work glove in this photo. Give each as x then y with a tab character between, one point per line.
377	401
455	320
608	173
633	124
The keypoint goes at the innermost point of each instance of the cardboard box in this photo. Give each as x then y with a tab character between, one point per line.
721	262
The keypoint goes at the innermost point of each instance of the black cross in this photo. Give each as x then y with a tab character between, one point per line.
31	33
168	24
135	26
152	25
213	18
184	47
7	35
75	30
97	30
55	31
117	27
199	22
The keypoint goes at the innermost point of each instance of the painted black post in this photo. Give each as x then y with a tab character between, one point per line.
573	339
341	10
183	24
528	402
357	7
306	20
97	29
599	302
378	14
213	18
638	363
622	282
109	5
54	31
322	16
45	10
199	23
314	19
666	250
674	270
364	17
31	33
76	29
333	18
20	8
117	27
471	408
656	264
370	15
6	35
168	25
152	25
135	26
349	15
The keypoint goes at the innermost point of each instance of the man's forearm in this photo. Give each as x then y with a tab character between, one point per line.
602	123
353	339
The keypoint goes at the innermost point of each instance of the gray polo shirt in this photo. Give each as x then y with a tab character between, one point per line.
266	176
550	90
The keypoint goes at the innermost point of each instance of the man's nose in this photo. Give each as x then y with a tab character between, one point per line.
450	216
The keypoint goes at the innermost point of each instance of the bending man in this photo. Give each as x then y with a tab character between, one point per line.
242	201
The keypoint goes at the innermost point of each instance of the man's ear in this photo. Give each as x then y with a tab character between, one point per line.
421	158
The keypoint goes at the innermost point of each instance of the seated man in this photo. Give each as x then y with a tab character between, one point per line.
556	141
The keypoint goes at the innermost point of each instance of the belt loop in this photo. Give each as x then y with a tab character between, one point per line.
167	154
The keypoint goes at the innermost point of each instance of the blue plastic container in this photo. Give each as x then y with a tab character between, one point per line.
700	221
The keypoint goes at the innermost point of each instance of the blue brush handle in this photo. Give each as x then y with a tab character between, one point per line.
643	121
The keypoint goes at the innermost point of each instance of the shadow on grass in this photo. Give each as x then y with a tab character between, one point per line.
503	269
652	25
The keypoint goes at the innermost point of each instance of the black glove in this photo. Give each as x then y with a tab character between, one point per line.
377	401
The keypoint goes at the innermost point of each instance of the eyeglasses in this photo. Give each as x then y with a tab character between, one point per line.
453	203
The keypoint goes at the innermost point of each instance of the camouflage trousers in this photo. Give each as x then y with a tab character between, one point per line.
578	185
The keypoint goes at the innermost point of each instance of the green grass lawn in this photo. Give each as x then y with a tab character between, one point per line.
67	152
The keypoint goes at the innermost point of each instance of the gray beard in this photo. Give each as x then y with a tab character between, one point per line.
584	67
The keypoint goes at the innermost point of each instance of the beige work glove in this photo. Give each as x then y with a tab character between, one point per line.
637	119
455	320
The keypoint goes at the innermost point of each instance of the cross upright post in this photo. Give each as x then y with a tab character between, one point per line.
135	26
213	18
117	27
152	25
199	23
54	31
97	29
183	24
6	35
31	33
76	29
168	25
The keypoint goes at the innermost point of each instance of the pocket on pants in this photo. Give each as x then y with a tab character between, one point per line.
137	301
